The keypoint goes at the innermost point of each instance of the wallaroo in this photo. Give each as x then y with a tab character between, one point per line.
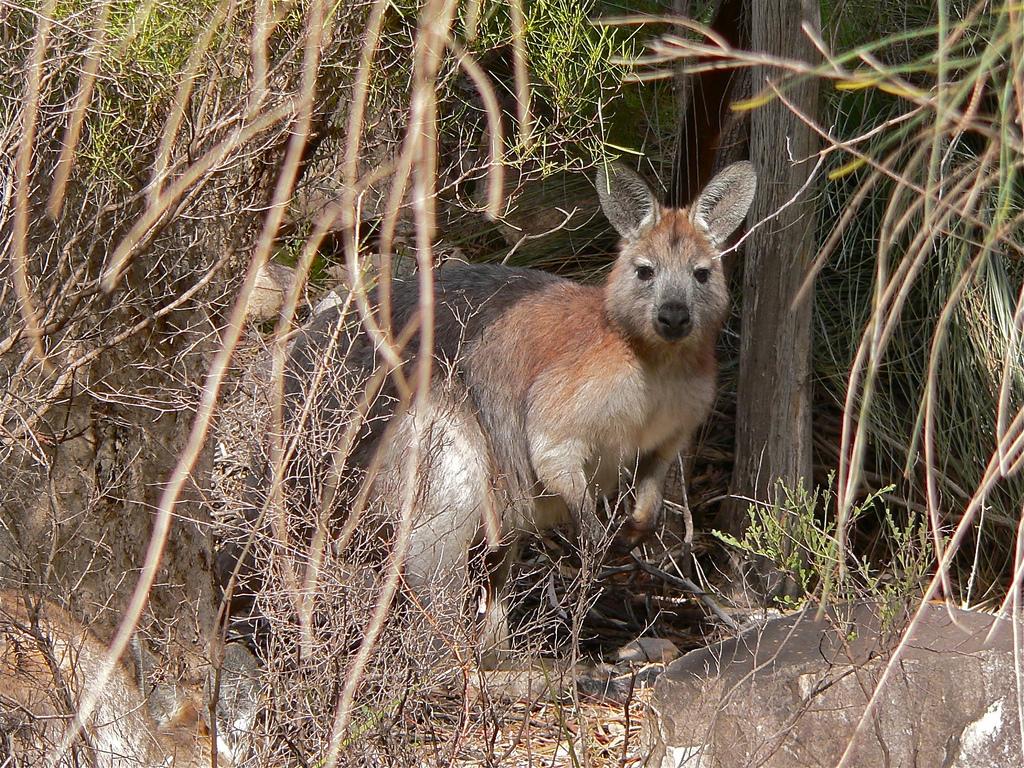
48	661
546	393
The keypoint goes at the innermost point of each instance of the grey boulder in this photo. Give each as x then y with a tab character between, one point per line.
792	692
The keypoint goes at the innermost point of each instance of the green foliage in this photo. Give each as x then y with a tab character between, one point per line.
156	39
798	536
576	70
145	52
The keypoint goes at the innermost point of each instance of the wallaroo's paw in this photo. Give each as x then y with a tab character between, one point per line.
634	530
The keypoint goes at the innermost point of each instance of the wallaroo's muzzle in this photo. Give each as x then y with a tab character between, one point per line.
673	321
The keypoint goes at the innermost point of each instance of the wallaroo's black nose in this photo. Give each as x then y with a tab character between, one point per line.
673	320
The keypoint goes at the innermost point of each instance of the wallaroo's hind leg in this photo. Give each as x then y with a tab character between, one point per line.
452	497
494	621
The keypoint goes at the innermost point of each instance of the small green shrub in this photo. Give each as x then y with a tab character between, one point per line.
798	536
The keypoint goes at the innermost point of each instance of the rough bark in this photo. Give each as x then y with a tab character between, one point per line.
84	459
773	418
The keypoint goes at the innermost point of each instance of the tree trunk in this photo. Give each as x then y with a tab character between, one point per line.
773	418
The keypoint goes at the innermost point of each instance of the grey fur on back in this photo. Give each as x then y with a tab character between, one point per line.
467	299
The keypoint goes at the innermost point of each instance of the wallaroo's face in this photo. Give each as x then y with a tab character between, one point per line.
667	284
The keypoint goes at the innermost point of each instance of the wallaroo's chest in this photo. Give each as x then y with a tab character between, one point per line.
619	404
650	406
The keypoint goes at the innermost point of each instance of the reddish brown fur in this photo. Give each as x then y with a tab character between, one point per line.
48	661
537	326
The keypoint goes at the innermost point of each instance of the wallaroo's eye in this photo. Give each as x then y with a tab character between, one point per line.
644	271
702	274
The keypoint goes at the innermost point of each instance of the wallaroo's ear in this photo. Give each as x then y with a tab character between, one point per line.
626	200
724	203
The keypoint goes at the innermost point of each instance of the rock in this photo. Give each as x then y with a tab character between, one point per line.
528	681
329	300
645	649
273	281
792	692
